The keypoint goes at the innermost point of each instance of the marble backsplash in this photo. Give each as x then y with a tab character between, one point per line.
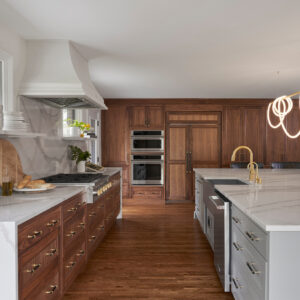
47	155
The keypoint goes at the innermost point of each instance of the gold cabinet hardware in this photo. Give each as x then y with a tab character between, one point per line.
237	246
92	214
71	265
51	252
71	233
252	236
81	253
92	238
81	225
52	223
73	209
100	227
52	289
38	233
34	268
252	269
31	236
79	203
236	220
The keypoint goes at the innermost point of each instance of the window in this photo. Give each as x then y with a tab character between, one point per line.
91	116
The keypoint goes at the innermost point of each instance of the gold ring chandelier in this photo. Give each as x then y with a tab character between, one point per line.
281	107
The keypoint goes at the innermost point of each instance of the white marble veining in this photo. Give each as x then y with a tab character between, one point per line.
19	208
45	155
274	205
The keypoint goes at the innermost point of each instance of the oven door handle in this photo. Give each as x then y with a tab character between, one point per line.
217	202
147	161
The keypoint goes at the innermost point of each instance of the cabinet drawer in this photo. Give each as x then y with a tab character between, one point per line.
240	287
253	233
71	206
74	227
95	214
39	259
94	238
37	228
149	193
48	288
252	265
73	259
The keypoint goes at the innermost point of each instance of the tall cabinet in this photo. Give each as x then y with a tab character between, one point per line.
193	141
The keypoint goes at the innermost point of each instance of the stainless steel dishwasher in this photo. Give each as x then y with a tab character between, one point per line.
218	226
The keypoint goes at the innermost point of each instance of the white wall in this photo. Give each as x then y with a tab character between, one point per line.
14	45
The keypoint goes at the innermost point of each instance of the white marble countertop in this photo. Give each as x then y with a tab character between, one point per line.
274	205
20	207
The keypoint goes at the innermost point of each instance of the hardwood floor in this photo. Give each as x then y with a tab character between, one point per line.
155	252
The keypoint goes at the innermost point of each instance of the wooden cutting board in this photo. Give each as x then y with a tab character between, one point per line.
10	161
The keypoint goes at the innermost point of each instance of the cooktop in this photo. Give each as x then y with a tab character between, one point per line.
75	178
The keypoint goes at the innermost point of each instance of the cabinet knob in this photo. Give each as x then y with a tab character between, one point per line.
73	209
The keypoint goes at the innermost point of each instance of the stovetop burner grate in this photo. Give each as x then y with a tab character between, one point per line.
74	178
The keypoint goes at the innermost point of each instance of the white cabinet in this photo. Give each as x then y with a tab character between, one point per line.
264	265
200	211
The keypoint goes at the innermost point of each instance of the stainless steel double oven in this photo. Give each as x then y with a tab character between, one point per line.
147	157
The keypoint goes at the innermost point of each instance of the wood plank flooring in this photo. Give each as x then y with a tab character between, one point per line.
155	252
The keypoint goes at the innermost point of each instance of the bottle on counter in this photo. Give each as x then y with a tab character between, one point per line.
7	185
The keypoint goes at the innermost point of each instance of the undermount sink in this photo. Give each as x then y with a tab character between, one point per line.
226	182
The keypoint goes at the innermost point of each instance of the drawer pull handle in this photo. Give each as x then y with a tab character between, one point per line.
252	236
81	225
81	253
31	236
236	220
38	233
51	252
79	203
52	289
71	265
34	268
92	214
92	238
101	228
52	223
252	268
73	209
237	246
236	283
72	233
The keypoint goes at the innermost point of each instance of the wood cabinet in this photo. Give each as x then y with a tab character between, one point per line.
53	247
193	141
243	126
150	117
115	142
39	254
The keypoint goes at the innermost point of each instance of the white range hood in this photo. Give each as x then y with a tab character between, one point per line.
58	75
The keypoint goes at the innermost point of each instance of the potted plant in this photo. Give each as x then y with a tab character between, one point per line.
82	126
80	157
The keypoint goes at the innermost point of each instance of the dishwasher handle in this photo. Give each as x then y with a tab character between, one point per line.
217	202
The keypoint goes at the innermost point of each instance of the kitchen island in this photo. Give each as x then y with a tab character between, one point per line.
264	231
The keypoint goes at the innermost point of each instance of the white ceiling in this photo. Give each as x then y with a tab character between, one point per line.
174	48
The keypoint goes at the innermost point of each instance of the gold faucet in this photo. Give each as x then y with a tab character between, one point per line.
257	178
252	176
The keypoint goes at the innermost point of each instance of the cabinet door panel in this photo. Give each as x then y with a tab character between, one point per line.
232	134
177	182
138	117
205	146
177	144
115	136
254	120
155	117
176	163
